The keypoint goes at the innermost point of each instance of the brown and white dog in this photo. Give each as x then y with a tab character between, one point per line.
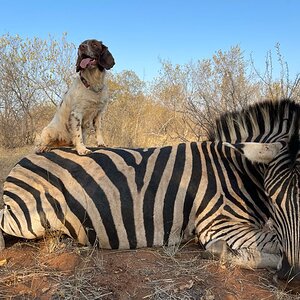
83	104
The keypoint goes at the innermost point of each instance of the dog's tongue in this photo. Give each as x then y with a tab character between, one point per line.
85	62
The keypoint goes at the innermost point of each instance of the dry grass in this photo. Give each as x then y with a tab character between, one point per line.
66	271
8	158
42	271
80	285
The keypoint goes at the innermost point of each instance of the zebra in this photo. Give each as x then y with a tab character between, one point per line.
268	122
225	192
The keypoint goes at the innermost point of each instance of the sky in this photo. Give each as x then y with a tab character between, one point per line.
140	34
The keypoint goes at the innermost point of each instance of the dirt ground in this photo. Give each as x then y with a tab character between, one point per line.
56	268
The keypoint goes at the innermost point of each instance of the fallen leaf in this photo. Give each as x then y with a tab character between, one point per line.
3	262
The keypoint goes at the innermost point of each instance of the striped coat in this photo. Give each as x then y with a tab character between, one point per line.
131	198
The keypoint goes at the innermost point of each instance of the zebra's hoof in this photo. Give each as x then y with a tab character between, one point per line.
218	249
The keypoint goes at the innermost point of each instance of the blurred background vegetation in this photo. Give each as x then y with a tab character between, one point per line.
179	105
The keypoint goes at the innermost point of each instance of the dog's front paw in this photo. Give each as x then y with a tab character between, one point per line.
41	149
101	145
83	151
100	141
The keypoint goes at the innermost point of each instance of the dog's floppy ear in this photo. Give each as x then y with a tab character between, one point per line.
78	68
106	59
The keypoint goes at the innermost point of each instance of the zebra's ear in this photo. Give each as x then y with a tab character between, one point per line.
258	152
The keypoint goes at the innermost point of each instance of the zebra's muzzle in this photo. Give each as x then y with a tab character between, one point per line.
288	277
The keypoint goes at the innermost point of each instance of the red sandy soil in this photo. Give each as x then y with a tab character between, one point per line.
57	269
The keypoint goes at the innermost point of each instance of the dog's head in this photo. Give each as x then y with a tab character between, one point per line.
91	54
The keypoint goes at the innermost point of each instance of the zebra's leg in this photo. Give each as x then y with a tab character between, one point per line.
2	242
241	243
250	258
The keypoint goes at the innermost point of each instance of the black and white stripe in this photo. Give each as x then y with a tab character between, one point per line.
127	198
131	198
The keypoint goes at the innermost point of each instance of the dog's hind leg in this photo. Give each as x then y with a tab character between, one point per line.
46	140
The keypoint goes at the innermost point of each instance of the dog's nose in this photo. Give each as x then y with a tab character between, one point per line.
82	47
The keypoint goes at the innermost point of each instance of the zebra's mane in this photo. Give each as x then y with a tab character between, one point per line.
266	121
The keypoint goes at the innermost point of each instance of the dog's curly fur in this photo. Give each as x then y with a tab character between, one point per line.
83	104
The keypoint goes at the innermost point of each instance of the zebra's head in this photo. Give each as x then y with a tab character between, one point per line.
282	185
273	127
